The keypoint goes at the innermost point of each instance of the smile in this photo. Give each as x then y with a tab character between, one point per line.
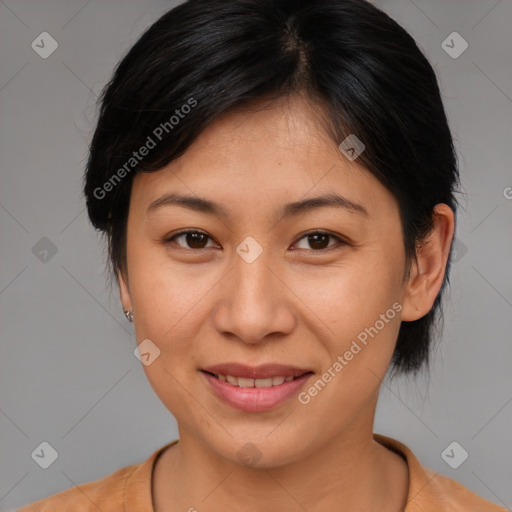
244	382
255	389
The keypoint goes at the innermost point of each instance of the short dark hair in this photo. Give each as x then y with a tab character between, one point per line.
363	69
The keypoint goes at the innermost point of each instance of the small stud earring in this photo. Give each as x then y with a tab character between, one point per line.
128	315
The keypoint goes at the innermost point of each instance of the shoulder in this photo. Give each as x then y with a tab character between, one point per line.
127	487
432	492
104	494
451	495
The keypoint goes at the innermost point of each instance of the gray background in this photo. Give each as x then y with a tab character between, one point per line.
68	373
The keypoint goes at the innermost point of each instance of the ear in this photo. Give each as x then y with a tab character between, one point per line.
427	272
124	292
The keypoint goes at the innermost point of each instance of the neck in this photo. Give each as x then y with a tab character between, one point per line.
352	470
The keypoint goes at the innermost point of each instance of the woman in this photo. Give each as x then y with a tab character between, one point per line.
276	183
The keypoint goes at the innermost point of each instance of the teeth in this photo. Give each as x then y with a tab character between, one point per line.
244	382
232	380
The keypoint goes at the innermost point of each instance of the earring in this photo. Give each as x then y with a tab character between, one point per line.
128	315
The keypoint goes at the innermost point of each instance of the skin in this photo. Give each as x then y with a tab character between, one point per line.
201	304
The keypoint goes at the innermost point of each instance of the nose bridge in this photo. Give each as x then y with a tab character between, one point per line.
252	280
251	273
252	286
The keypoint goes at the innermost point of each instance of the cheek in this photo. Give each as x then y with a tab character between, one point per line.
165	294
350	296
357	305
363	316
169	312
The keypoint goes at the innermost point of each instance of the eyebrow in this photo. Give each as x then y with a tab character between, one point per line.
289	209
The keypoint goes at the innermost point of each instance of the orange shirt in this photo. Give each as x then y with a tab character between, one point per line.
129	490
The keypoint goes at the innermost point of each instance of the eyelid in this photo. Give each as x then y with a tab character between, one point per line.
340	240
171	238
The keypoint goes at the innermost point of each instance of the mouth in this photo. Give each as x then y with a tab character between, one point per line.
247	382
255	389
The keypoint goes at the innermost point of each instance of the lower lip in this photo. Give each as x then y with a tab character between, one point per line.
255	399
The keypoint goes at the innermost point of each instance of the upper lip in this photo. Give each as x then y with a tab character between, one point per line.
263	371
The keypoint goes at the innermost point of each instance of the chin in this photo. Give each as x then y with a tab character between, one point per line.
259	451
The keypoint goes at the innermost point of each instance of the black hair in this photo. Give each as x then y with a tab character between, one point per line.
204	58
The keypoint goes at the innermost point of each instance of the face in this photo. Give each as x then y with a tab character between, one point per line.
261	280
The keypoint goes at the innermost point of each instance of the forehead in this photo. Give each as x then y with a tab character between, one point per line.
264	154
290	128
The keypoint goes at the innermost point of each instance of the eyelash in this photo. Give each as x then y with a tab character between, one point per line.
305	235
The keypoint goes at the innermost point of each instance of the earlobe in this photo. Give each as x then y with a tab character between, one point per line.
411	310
124	292
427	272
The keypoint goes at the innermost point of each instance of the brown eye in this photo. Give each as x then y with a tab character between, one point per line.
192	239
319	240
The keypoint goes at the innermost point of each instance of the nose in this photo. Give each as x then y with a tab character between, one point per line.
255	302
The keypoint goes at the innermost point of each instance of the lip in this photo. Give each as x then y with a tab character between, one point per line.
256	372
255	399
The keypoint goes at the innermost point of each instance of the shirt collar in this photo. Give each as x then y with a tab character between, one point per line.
421	489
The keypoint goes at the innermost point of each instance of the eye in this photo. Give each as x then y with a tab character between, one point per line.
194	239
319	240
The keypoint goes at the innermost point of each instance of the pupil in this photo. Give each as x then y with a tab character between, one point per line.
315	240
195	238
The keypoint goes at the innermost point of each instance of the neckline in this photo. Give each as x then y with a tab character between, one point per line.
138	495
